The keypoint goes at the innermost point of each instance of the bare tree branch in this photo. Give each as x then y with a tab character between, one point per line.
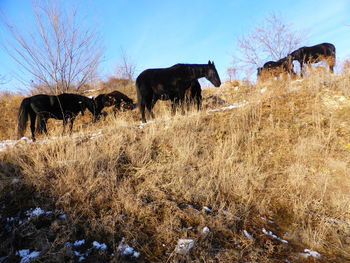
61	53
125	67
271	40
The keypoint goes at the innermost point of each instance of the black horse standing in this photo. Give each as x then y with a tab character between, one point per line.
62	107
170	83
321	52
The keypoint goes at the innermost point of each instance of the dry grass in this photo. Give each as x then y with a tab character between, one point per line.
284	156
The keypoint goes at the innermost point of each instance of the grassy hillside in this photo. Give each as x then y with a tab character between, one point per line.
259	175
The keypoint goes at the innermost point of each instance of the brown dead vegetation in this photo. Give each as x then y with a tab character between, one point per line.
283	156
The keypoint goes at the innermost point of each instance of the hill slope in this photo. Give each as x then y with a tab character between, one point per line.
259	178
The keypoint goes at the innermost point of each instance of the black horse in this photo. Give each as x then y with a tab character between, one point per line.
277	68
116	98
169	83
308	55
64	107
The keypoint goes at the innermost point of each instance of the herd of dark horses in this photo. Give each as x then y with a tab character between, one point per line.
178	83
304	55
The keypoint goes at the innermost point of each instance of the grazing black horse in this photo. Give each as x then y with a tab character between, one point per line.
116	98
276	68
308	55
64	107
169	83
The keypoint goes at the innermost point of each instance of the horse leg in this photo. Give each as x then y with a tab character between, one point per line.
301	70
32	124
174	106
64	123
149	107
199	102
142	110
71	121
41	127
182	105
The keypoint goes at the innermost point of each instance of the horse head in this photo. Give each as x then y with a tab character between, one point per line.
259	71
128	105
295	55
212	74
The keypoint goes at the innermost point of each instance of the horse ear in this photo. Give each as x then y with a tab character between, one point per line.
209	63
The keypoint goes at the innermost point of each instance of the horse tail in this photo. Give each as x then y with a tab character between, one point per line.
138	92
23	113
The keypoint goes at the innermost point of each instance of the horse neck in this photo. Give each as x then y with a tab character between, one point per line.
196	71
89	103
99	104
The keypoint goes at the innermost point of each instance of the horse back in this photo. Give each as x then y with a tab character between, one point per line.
117	95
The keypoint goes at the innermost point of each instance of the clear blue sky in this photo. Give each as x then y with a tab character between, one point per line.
160	33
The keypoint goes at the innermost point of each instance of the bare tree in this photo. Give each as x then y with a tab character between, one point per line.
2	79
271	40
125	67
60	53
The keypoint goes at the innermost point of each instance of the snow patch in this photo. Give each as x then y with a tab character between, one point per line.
267	232
268	220
206	230
184	246
125	250
99	246
78	243
310	253
230	107
37	212
249	236
26	255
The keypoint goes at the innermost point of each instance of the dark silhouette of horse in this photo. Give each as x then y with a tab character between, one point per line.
42	107
193	94
169	83
277	68
308	55
116	98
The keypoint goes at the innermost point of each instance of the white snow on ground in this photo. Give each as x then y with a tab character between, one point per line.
26	255
99	246
268	220
249	236
142	125
310	253
78	243
82	256
230	107
37	212
267	232
206	230
184	246
4	145
125	250
90	90
263	90
206	209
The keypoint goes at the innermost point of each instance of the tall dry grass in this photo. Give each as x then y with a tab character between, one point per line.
282	156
